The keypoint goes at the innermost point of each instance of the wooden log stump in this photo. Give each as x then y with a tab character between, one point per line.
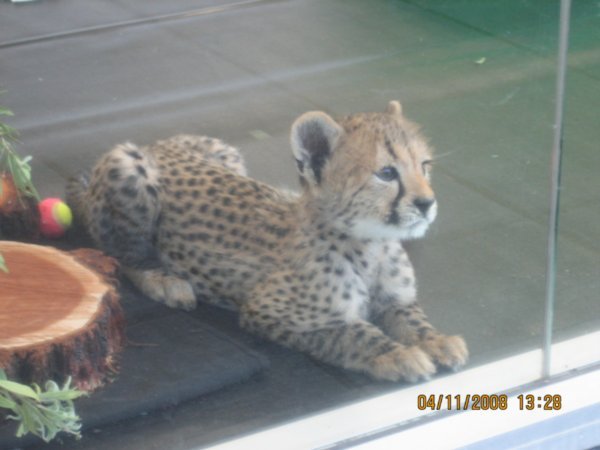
60	315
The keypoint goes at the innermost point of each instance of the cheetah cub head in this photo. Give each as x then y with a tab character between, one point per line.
368	173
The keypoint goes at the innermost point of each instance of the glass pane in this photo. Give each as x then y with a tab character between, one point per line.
488	105
578	266
479	76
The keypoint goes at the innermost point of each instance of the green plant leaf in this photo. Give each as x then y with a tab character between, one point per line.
6	130
20	170
51	413
5	111
6	403
10	161
19	389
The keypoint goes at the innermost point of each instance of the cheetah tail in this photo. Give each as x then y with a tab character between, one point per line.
76	190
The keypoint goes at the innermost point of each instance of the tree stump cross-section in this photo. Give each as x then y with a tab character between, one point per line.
60	315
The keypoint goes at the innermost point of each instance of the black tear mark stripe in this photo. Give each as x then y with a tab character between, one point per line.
394	217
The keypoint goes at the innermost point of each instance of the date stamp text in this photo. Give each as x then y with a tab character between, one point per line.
485	402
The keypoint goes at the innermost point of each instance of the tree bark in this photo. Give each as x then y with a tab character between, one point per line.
60	315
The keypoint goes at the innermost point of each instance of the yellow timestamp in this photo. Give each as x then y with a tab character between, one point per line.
485	402
546	402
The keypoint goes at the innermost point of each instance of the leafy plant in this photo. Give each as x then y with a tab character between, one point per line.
44	413
15	172
11	162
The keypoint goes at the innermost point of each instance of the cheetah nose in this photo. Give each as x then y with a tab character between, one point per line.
423	203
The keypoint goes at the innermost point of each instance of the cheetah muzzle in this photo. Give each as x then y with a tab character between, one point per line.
323	271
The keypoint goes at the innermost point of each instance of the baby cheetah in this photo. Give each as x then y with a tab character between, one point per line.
323	272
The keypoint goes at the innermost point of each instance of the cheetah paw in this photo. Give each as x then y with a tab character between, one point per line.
446	351
403	363
178	293
168	289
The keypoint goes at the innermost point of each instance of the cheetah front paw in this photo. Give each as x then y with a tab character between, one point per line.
403	363
178	293
446	351
161	287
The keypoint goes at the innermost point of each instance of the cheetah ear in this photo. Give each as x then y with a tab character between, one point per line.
394	108
314	137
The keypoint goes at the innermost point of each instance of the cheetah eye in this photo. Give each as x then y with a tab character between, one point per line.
388	173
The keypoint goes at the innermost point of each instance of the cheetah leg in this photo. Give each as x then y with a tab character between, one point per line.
408	325
359	346
162	287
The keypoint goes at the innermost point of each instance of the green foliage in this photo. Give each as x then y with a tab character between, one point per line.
44	413
11	162
17	167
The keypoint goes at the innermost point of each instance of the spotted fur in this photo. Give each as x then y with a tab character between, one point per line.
323	271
